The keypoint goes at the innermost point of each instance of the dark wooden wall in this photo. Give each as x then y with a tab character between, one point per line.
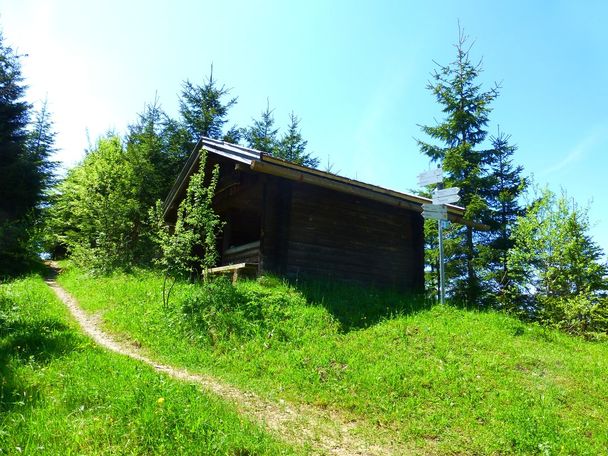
308	231
314	232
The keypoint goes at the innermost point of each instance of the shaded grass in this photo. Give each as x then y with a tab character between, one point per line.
60	394
440	379
371	306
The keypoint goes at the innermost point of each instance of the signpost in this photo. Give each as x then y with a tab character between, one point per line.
435	211
446	195
434	176
438	211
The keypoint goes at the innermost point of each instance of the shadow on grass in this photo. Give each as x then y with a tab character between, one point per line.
356	306
25	347
21	269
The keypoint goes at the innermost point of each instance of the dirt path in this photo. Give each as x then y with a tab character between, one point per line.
320	431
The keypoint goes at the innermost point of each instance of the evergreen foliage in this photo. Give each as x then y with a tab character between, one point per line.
506	185
160	144
40	147
25	164
556	269
233	135
460	136
204	108
262	135
292	146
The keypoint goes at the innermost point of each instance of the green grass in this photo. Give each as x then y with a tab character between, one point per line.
60	394
437	379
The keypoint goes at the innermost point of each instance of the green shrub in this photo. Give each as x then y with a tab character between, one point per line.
581	314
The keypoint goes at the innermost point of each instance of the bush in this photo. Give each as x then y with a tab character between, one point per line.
581	314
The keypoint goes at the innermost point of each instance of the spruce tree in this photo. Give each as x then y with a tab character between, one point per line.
292	146
16	198
40	149
503	193
160	143
262	135
460	136
233	135
25	167
204	108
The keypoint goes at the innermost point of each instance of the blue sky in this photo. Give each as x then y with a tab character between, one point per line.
355	72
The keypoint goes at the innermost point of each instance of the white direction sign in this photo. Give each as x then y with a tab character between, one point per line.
435	211
446	195
433	176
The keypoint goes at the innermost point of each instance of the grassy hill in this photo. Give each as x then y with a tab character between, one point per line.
61	395
436	379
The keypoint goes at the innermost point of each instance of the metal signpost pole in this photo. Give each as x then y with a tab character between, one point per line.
441	266
438	211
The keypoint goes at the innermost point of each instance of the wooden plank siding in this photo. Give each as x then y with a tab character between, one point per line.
314	231
311	228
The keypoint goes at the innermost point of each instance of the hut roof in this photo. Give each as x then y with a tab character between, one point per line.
247	159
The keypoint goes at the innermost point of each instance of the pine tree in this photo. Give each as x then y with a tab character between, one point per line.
16	199
25	167
292	146
163	145
503	193
466	107
233	135
203	108
40	149
262	135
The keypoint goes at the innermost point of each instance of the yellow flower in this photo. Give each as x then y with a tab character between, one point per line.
160	401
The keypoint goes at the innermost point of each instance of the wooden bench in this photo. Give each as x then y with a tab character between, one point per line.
248	270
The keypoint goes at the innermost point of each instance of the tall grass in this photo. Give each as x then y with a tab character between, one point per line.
60	394
438	379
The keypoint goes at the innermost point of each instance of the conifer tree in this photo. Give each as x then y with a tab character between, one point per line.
40	148
292	146
459	139
25	167
506	185
16	199
233	135
262	135
204	108
160	143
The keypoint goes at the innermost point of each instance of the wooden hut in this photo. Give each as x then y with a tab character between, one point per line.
299	222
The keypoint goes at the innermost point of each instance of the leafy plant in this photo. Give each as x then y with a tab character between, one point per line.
189	246
98	214
557	273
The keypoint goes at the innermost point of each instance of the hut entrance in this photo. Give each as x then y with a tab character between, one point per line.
241	240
